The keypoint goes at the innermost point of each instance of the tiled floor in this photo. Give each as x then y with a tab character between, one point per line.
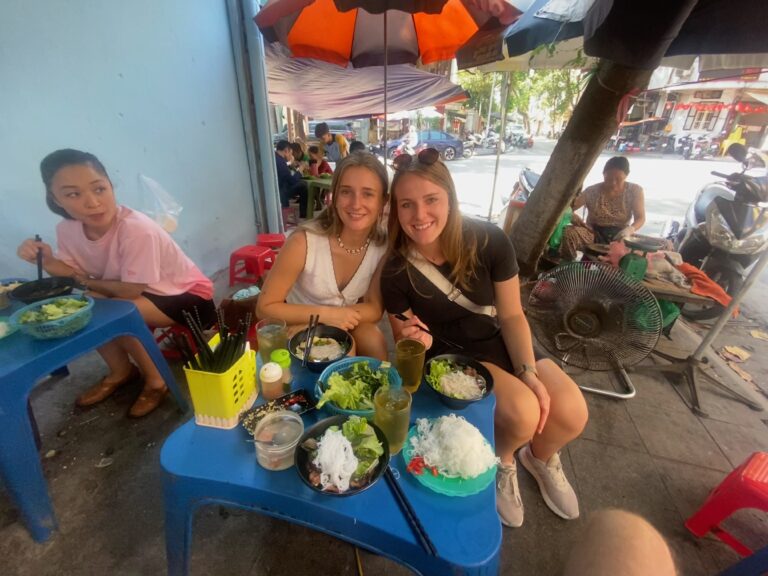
649	455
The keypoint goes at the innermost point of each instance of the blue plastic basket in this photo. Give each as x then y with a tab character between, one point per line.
343	365
59	328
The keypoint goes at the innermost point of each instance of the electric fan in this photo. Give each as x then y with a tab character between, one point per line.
594	316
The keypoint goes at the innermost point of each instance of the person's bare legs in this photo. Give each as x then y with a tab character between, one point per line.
118	352
568	412
618	542
370	341
516	420
517	412
516	415
154	317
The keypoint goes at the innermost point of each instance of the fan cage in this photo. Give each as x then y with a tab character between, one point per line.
593	316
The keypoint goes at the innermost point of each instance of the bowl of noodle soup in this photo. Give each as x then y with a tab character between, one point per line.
330	344
458	380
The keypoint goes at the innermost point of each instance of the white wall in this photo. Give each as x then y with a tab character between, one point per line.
679	117
149	87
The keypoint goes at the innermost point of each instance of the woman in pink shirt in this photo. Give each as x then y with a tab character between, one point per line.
118	253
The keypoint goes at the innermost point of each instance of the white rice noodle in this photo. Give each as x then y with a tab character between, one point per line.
454	446
330	349
336	460
460	385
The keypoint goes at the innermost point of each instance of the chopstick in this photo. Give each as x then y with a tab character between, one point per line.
314	319
424	540
445	341
39	258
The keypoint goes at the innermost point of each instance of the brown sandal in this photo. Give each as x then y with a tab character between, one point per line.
104	389
148	401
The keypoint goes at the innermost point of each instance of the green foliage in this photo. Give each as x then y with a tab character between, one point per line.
555	91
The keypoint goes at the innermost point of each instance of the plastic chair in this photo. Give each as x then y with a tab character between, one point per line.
167	336
274	241
745	487
249	263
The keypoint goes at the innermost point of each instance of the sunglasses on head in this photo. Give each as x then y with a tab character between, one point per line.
427	157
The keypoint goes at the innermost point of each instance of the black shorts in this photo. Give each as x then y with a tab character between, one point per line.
174	306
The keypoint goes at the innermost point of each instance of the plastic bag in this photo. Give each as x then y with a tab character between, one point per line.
159	204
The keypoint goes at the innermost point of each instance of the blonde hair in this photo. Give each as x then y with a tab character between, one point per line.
458	243
328	222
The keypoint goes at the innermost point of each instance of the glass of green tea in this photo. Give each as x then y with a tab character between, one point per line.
271	335
409	361
392	413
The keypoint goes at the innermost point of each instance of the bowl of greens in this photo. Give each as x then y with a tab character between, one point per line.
458	380
342	455
54	317
347	386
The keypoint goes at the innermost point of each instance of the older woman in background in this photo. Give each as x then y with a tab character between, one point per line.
615	210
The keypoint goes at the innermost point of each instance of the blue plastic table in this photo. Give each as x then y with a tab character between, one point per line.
23	362
206	465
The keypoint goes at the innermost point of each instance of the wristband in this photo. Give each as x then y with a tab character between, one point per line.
526	368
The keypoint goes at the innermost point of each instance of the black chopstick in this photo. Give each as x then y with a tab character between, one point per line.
445	341
410	515
313	320
39	258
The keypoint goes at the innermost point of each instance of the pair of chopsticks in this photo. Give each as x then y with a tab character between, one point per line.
418	529
445	341
314	320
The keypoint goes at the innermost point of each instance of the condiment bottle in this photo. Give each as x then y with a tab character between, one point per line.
271	378
282	357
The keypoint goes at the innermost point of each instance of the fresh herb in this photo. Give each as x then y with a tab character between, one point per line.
353	389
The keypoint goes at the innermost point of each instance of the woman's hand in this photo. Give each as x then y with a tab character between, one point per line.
412	328
625	233
533	382
28	250
346	318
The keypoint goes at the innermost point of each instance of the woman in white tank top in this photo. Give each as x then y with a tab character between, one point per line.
330	265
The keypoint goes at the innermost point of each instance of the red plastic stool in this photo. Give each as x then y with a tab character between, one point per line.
745	487
249	263
165	335
273	241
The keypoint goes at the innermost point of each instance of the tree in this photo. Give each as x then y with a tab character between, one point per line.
519	96
592	123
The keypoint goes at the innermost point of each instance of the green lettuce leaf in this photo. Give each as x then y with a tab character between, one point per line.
438	369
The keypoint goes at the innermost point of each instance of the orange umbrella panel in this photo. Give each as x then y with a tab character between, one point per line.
318	29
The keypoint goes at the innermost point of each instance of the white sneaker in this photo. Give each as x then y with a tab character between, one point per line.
508	502
554	486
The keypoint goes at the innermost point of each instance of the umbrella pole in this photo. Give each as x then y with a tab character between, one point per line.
502	130
386	63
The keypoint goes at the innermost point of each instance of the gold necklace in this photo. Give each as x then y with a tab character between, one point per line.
353	250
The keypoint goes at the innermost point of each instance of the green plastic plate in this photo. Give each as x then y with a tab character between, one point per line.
445	485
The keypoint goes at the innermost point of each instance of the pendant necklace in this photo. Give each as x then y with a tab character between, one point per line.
353	250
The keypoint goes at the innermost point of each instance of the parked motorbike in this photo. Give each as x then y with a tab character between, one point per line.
726	226
684	146
469	148
519	141
702	148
